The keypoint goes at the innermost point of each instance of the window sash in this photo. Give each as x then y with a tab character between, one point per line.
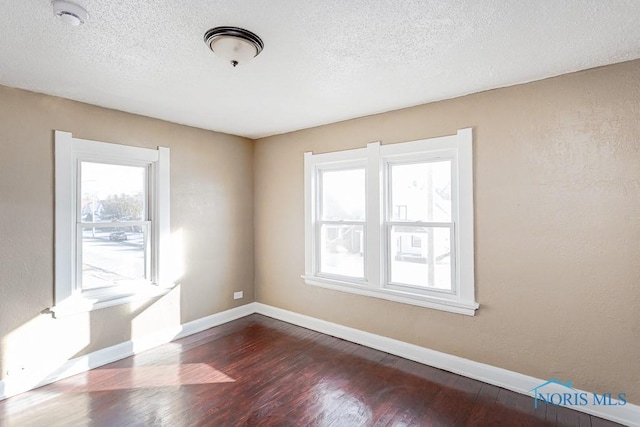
388	259
413	157
148	181
320	187
318	251
338	165
146	223
147	263
113	224
341	222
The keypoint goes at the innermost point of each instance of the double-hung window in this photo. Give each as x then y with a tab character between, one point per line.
112	223
340	224
394	221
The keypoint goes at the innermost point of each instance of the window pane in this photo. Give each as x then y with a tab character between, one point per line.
342	250
111	255
421	191
343	194
112	192
421	256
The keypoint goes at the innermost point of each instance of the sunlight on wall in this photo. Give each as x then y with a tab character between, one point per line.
177	267
159	322
40	348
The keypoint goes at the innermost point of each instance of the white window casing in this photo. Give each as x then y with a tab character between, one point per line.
377	160
70	152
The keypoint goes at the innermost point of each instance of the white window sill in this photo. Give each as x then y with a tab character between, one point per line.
107	298
467	308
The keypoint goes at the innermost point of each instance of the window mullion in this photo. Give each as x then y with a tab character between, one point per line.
373	227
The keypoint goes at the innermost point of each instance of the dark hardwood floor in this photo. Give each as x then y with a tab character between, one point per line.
258	371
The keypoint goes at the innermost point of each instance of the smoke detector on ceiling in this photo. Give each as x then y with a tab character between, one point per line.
70	13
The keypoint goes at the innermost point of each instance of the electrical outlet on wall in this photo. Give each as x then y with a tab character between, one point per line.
238	295
16	371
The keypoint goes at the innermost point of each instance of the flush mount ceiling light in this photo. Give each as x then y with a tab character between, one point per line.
236	45
70	13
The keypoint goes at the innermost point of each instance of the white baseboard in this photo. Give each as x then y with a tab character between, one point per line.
628	414
205	323
12	386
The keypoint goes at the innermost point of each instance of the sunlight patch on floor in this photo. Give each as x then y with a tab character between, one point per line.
144	377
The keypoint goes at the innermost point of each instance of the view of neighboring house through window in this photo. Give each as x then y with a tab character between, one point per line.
394	221
341	222
421	235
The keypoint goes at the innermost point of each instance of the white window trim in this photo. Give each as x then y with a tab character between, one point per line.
377	157
69	151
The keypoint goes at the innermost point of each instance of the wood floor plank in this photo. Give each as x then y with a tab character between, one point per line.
483	409
258	371
599	422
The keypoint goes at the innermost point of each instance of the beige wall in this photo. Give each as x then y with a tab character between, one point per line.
557	228
557	215
211	221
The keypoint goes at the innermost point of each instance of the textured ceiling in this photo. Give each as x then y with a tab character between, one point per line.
324	60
